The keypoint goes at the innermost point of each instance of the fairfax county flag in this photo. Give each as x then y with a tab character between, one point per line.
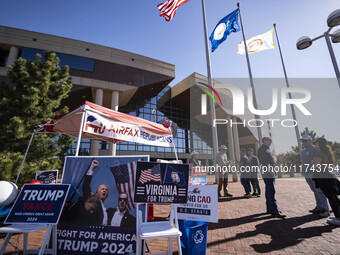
223	28
258	43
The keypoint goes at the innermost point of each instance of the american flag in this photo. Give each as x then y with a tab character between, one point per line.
169	8
125	180
78	169
75	169
151	174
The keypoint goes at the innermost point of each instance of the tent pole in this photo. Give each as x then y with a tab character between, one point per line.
174	147
22	163
175	153
80	132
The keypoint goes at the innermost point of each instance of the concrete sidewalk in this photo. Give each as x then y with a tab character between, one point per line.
243	227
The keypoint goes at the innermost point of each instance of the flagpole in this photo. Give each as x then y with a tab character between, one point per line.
211	103
250	76
297	132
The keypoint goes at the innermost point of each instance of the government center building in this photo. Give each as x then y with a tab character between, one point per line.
136	85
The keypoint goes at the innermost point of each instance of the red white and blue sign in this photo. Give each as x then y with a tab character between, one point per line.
47	177
82	239
161	183
202	204
39	203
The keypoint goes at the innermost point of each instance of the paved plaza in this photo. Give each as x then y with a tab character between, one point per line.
243	227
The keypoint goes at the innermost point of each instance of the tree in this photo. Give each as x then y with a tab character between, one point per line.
34	97
293	157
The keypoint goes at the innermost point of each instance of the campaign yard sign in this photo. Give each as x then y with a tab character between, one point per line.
47	177
199	175
39	203
99	216
161	183
82	239
202	204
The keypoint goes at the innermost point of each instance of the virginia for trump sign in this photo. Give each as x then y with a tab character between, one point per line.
161	183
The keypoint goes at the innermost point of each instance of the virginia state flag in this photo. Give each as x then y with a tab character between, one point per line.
173	176
223	28
258	43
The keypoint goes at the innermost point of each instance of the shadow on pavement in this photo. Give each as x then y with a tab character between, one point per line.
283	233
225	223
225	199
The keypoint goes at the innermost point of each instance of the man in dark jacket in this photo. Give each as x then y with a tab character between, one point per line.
245	181
120	216
253	163
84	212
101	192
268	163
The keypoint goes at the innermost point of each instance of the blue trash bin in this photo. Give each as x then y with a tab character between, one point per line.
4	210
194	237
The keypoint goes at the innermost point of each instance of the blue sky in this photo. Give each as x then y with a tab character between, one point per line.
135	26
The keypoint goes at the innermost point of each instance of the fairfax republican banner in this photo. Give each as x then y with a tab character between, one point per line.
105	127
100	123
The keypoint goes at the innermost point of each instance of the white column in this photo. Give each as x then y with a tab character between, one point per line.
230	140
231	145
257	146
114	106
236	140
13	55
191	141
98	101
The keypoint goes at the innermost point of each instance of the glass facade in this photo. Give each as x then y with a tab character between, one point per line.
152	110
85	146
3	57
73	62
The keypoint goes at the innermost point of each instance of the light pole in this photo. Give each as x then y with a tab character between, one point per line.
305	41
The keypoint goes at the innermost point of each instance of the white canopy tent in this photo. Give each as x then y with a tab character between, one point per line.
96	122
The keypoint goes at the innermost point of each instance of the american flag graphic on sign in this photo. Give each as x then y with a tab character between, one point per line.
51	176
125	180
78	170
169	8
151	174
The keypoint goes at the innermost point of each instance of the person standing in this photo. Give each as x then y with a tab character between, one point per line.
268	163
253	163
221	161
193	162
323	164
244	173
307	155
